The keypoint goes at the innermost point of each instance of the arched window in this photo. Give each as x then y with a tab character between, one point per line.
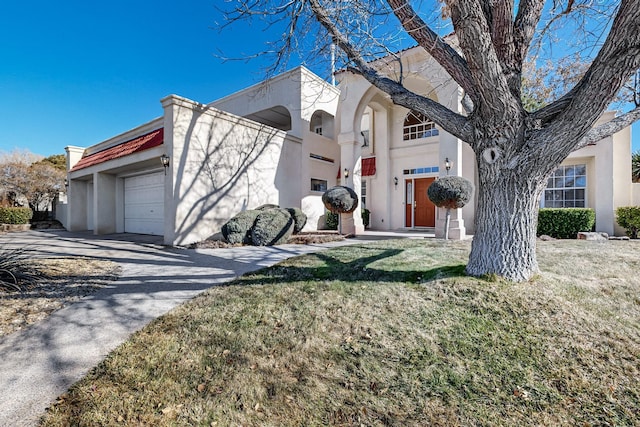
417	125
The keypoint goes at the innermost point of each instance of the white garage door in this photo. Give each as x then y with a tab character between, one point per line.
144	204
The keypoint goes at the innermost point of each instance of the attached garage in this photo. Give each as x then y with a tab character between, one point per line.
144	204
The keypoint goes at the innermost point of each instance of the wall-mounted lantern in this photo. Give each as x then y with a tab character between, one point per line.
346	173
164	159
448	165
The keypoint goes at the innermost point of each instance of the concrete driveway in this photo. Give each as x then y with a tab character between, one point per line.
42	361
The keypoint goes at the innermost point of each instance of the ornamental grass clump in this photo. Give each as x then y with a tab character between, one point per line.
16	270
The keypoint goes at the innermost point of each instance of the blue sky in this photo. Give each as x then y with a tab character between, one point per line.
78	72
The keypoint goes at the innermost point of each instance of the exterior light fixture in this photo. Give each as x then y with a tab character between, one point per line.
164	159
447	165
346	173
395	181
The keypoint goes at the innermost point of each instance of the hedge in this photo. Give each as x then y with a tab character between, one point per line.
272	227
15	215
565	223
628	217
238	229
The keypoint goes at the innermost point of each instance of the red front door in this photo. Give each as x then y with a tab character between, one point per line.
420	212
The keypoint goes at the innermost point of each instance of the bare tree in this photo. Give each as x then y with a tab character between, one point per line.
26	179
516	150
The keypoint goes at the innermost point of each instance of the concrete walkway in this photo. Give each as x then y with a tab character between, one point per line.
42	361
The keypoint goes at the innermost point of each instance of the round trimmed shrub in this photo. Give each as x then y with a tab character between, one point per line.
450	192
272	227
340	199
299	218
238	229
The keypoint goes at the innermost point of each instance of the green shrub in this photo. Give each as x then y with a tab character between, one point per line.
366	215
450	192
238	229
340	199
272	227
628	217
266	207
565	223
299	218
15	215
331	220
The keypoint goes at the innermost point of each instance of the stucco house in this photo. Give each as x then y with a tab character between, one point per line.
287	140
409	151
272	143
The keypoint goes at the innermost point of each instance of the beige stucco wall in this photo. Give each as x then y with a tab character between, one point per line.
222	164
302	93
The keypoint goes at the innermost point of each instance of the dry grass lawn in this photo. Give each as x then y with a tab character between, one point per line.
64	280
386	334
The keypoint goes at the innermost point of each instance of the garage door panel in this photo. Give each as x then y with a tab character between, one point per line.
144	204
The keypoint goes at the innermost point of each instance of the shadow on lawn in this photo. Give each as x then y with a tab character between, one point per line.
332	266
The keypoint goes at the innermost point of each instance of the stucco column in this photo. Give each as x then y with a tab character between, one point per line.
350	158
451	150
77	205
104	203
174	135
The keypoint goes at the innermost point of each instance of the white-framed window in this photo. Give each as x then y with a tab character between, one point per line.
417	125
566	188
318	184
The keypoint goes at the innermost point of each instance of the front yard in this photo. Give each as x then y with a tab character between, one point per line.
390	333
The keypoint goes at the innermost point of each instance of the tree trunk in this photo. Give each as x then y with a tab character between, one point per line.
446	224
504	243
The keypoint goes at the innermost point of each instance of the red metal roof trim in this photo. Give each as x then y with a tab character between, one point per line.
369	166
141	143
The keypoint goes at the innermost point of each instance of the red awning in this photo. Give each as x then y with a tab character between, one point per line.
369	166
144	142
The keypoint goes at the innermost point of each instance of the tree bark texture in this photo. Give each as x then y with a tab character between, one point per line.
506	221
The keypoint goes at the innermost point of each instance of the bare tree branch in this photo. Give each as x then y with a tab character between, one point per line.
474	34
441	51
450	121
526	22
609	128
618	59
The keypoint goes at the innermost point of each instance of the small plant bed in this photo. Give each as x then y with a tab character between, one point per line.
391	333
303	238
53	283
313	237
